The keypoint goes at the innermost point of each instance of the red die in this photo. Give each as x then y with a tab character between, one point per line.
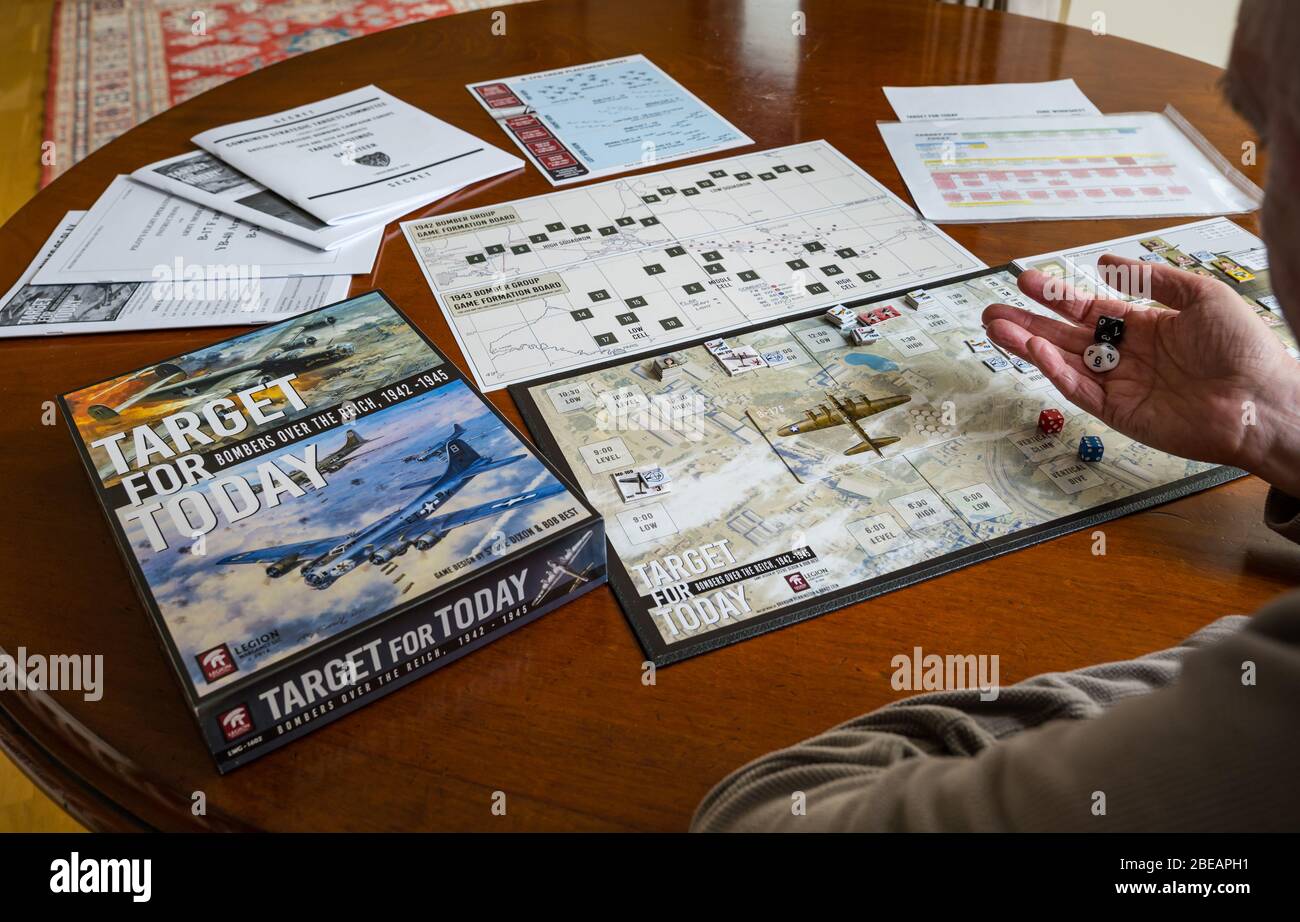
1051	421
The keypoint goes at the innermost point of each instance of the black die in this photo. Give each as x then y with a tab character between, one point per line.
1109	330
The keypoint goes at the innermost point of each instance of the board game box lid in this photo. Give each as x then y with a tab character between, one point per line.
279	491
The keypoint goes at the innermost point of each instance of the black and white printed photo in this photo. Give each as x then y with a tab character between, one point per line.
94	303
203	171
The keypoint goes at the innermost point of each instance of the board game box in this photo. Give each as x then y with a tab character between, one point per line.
320	511
796	466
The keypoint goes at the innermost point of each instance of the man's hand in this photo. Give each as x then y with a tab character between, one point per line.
1202	378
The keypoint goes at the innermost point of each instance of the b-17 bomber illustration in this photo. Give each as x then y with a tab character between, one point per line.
437	450
847	411
336	460
323	560
298	349
557	570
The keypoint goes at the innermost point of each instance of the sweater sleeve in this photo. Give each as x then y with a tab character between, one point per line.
1200	736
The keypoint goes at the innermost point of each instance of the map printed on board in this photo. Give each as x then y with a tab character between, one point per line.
825	471
565	280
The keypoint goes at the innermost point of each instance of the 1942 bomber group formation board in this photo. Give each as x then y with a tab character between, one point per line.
758	383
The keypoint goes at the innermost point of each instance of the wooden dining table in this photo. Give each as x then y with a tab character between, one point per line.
556	716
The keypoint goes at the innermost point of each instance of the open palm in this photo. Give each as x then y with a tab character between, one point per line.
1195	378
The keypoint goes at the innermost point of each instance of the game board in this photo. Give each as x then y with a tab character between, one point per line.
565	280
1208	247
759	527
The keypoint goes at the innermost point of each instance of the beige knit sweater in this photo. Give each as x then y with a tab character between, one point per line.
1204	736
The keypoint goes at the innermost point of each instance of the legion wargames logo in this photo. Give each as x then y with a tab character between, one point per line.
235	723
796	581
216	663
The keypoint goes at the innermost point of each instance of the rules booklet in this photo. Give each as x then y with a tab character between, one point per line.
320	511
356	153
202	178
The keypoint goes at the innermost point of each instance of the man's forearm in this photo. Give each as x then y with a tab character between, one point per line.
951	761
1271	446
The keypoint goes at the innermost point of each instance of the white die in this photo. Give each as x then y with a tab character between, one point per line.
1100	357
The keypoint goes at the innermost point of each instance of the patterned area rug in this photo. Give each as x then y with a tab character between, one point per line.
115	63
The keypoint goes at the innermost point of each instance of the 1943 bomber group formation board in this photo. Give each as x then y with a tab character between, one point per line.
758	383
544	284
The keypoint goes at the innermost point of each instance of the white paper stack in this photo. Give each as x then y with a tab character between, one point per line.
135	233
329	171
202	178
102	306
272	217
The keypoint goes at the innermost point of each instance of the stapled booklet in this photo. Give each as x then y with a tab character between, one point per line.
355	153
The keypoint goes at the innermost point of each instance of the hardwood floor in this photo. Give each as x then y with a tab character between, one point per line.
24	57
23	808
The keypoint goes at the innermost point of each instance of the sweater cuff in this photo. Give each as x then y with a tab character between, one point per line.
1282	514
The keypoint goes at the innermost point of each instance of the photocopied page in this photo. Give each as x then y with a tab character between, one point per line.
989	100
135	233
29	309
606	117
200	177
356	153
1140	164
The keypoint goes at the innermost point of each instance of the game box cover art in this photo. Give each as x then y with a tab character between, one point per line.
317	512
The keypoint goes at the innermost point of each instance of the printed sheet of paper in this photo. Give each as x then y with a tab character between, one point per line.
989	100
607	117
200	177
565	280
28	309
1136	165
136	233
356	153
